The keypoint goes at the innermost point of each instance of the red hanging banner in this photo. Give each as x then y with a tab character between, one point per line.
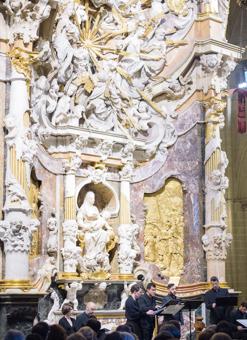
242	101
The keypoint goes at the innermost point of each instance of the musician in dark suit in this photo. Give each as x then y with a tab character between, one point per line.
172	299
67	322
217	313
132	310
239	314
147	305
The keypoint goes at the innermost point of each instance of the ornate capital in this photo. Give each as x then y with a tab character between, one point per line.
95	174
16	235
215	243
214	70
127	172
26	17
72	165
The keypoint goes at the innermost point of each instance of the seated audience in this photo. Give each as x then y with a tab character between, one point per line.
206	334
221	336
164	336
172	329
95	325
124	328
41	328
226	327
56	332
76	336
88	333
14	335
33	336
114	336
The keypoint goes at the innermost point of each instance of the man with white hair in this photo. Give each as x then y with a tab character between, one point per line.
83	318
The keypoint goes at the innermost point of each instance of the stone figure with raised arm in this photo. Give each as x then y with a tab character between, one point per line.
97	236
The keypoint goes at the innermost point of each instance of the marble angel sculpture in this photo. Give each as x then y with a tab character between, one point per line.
52	243
97	235
67	113
71	294
45	274
51	318
128	247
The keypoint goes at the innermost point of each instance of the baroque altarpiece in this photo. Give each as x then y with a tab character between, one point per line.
112	165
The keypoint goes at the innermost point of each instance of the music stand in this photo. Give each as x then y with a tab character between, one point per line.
191	305
172	310
161	308
226	301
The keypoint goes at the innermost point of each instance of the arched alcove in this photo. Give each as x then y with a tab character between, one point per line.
105	196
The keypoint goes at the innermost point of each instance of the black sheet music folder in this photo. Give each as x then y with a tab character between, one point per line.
192	304
226	301
172	310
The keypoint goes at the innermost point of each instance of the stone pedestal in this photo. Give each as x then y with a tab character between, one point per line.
18	311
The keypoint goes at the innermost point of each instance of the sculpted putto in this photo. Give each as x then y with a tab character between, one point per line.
96	234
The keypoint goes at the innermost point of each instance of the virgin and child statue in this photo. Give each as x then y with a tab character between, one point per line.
96	236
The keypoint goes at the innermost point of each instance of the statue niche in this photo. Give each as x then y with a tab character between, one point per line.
164	228
96	236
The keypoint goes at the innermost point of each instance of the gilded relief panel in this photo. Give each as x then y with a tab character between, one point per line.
164	228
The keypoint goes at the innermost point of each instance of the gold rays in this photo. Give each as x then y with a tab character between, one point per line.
94	40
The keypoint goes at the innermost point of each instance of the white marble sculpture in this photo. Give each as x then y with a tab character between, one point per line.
128	247
45	273
71	252
97	233
51	318
71	294
52	243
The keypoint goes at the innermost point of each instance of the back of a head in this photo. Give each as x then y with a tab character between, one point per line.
56	332
221	336
14	335
124	328
206	334
33	336
172	329
94	324
88	333
127	336
225	327
176	323
41	328
114	336
165	335
76	336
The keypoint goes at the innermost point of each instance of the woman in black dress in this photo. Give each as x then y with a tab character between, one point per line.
67	322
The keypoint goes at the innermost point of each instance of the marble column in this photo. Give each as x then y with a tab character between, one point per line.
216	238
70	251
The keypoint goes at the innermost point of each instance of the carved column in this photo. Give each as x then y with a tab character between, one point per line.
70	251
3	92
127	231
216	238
16	228
16	236
126	174
18	224
212	81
